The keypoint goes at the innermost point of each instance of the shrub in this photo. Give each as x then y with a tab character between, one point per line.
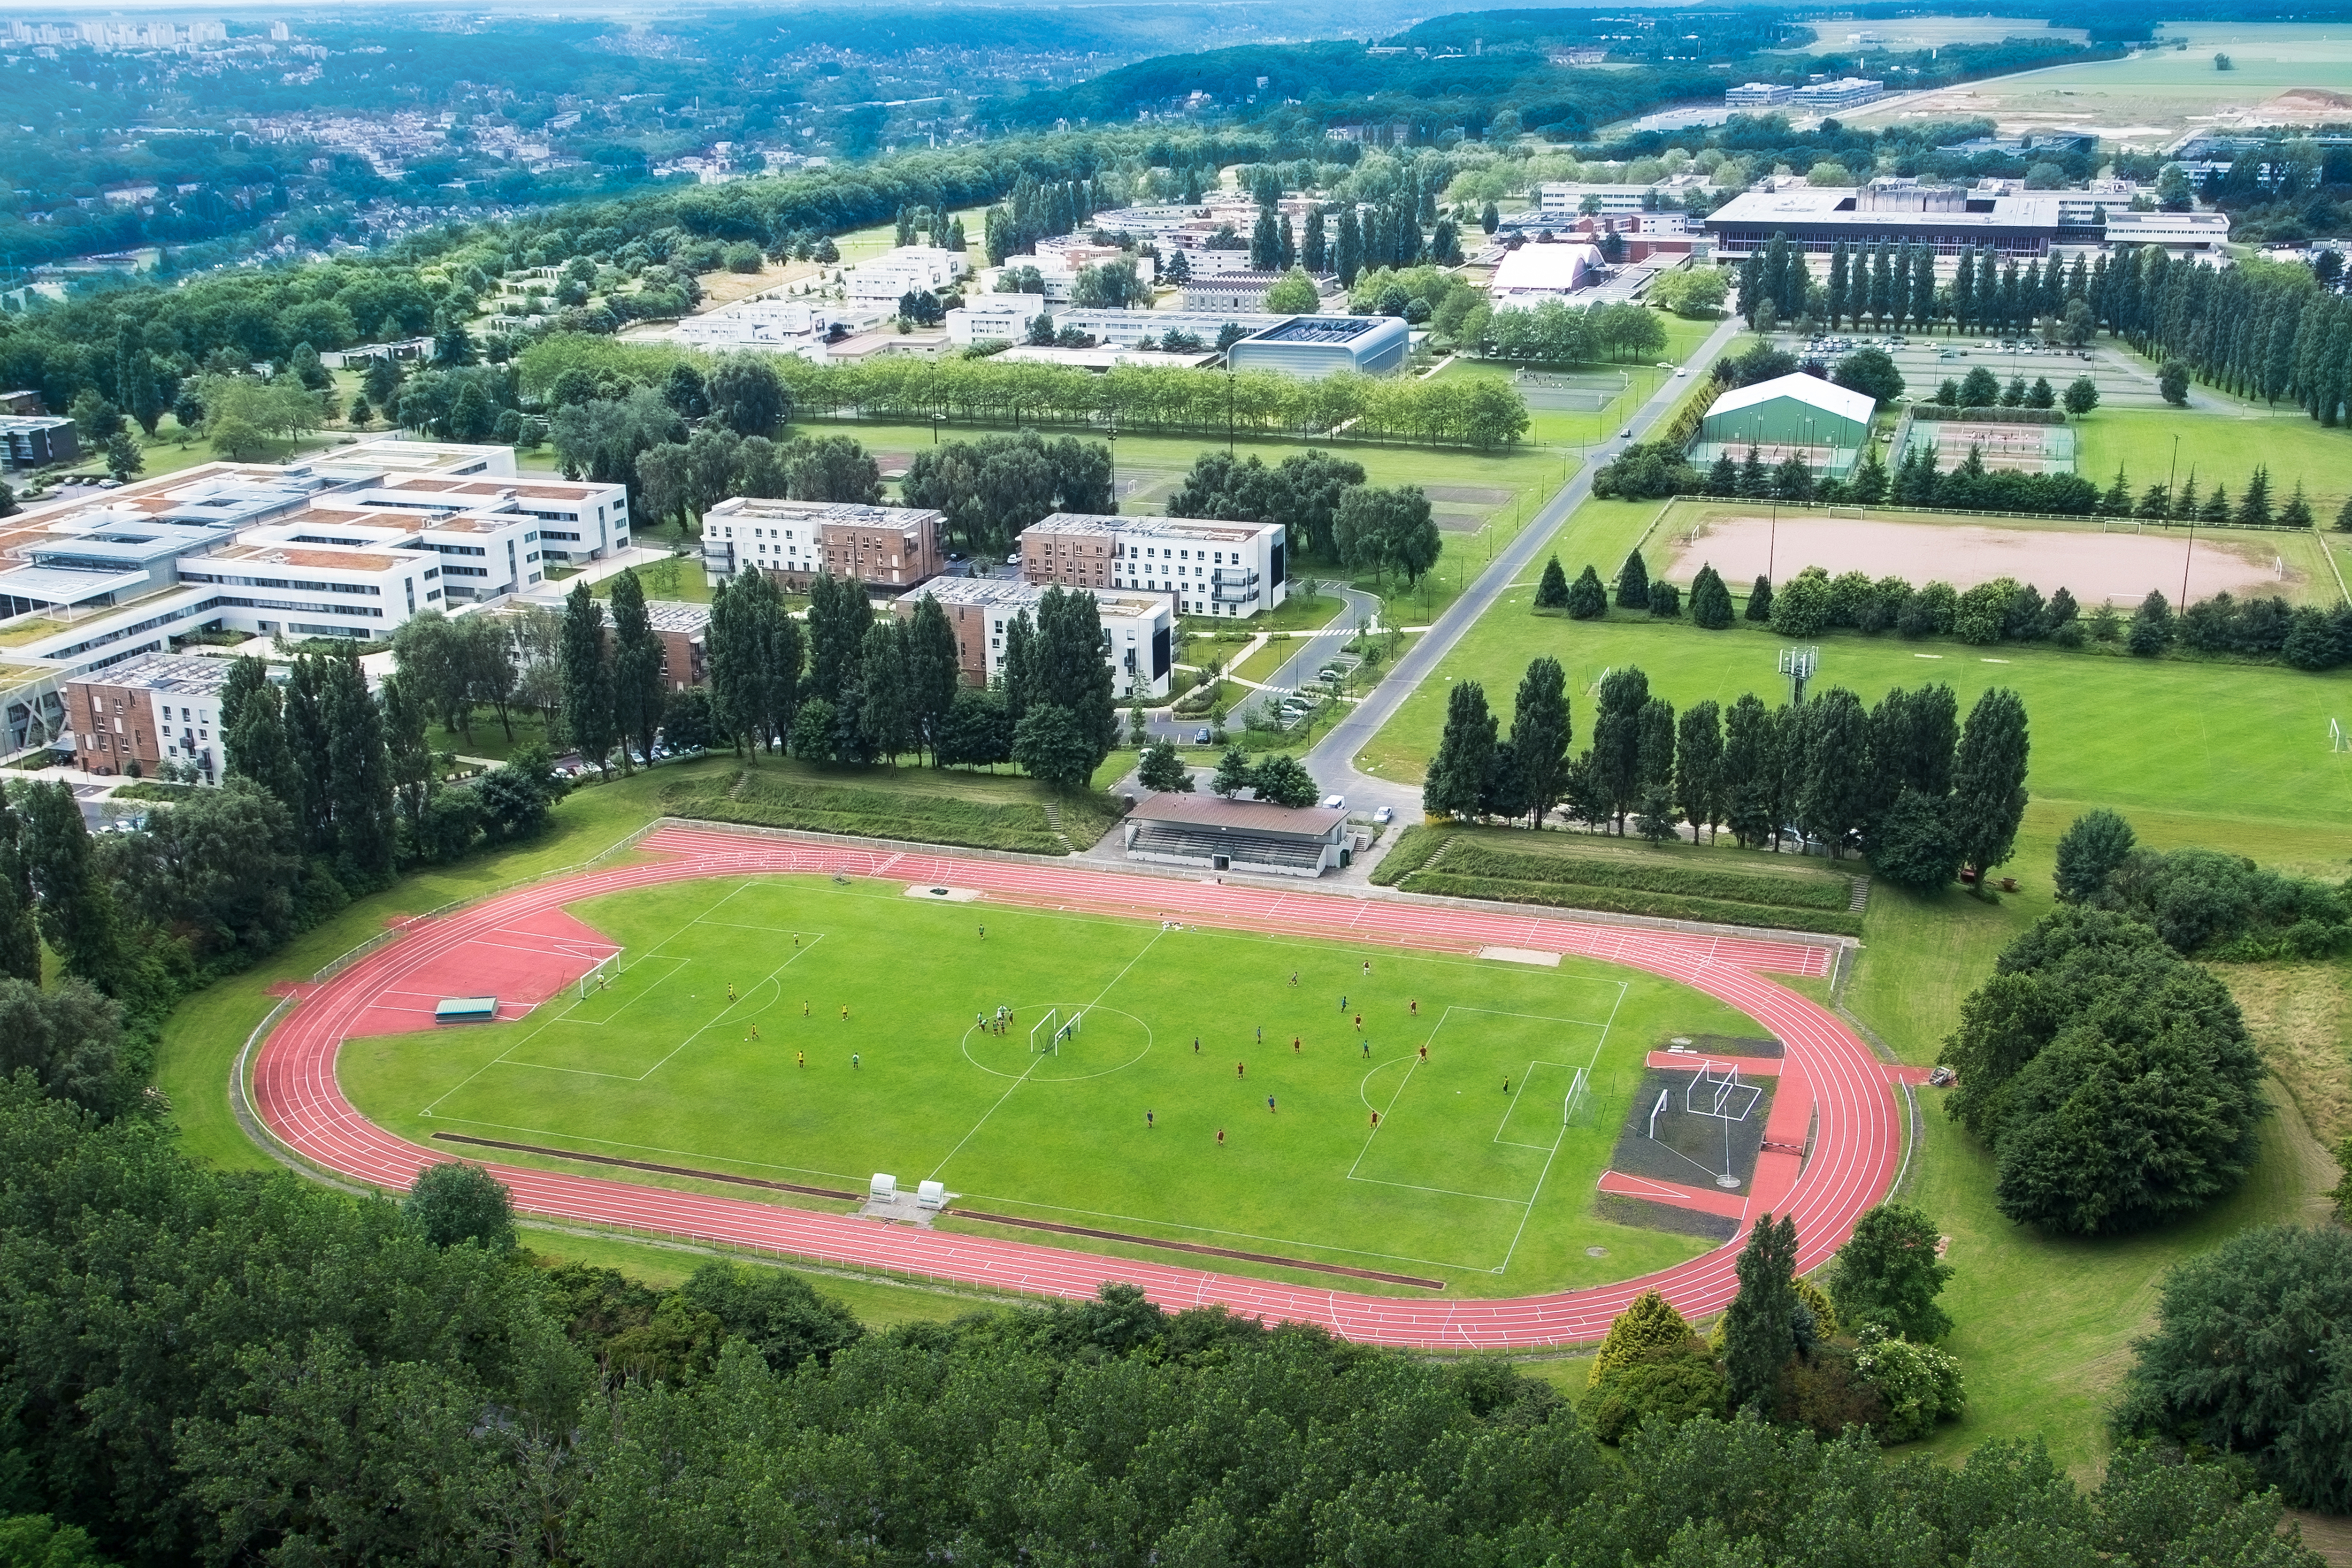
2096	844
1825	1394
1918	1384
1801	607
1588	600
456	1202
1672	1383
1650	1323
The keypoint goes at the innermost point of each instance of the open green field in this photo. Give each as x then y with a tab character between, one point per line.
2145	98
2218	445
2219	739
1462	1181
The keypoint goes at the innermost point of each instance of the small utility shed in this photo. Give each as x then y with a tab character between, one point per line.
1218	834
1792	414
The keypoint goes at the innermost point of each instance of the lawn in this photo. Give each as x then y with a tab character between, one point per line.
946	806
1462	1181
2146	98
2218	445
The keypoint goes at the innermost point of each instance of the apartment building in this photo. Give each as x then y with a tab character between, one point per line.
150	711
891	548
1203	566
1138	630
35	441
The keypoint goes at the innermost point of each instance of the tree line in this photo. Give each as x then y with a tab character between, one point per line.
376	1381
2001	611
1917	791
856	687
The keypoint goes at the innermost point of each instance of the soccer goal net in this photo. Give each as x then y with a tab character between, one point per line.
1046	1035
1579	1095
607	969
1718	1091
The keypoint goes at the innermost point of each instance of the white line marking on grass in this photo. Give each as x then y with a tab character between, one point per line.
651	1148
1208	1230
1509	1251
1035	1058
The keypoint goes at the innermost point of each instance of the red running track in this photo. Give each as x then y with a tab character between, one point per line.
1857	1141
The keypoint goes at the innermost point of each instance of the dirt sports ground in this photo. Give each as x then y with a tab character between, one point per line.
2118	563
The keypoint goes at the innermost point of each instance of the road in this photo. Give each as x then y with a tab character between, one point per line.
1333	761
1356	607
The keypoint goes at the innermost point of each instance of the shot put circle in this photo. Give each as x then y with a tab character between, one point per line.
1107	1041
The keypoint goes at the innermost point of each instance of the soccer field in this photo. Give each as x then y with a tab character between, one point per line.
1182	1034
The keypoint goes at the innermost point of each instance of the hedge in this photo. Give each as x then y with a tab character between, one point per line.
1614	902
1788	893
1997	416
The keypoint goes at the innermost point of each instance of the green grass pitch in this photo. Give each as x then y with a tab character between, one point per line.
1491	1192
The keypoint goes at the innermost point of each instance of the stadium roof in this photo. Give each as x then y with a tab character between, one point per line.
1843	402
1537	268
1210	813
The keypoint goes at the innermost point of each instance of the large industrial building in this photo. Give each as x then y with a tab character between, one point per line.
1313	346
1826	424
1204	567
1138	630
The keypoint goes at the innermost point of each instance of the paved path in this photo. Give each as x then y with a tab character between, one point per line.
1333	762
1851	1162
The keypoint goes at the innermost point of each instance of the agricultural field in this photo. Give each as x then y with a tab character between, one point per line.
2283	74
760	1028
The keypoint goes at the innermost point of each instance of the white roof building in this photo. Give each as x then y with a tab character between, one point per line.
920	267
1537	272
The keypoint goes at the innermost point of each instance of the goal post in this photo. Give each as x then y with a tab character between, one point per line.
600	975
1579	1090
1045	1034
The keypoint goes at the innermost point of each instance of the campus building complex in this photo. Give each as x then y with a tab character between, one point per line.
2013	224
1138	630
1202	566
348	543
891	548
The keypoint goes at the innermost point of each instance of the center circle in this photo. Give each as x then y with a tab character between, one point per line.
1107	1041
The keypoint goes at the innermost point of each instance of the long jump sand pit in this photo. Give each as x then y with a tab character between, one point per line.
2117	565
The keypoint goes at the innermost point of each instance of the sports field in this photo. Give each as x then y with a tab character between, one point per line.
1463	1182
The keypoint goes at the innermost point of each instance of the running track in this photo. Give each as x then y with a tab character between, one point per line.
1851	1164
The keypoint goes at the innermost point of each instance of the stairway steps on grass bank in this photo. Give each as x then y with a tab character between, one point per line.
1861	900
1054	821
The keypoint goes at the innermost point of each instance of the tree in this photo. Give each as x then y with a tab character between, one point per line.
2172	381
934	671
1540	736
1913	843
2151	622
1294	294
1870	371
1616	759
838	614
780	1315
70	1040
1162	769
2092	847
1758	1335
2082	396
636	667
1284	780
1989	780
358	786
587	678
1633	583
1051	746
1378	527
453	1202
1699	787
1551	590
1651	1323
886	716
124	456
1889	1273
1071	673
1760	600
222	866
747	396
2246	1360
1587	598
1710	601
1459	774
76	911
831	468
1834	797
1234	773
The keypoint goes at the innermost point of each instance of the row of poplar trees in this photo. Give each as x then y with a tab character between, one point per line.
1906	780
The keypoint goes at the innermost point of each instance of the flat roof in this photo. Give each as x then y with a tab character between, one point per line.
1321	330
1213	813
326	560
1841	206
1011	593
844	513
1156	527
187	674
60	585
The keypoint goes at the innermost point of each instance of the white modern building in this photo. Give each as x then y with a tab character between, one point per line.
347	544
1846	92
1203	566
1247	290
1755	95
920	267
1007	318
1138	630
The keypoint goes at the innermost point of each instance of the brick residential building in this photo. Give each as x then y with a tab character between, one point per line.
150	711
892	547
1139	628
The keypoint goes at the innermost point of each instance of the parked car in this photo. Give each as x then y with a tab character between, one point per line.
1335	802
1013	559
1383	816
1201	736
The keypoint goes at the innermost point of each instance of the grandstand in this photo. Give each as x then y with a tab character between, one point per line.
1238	835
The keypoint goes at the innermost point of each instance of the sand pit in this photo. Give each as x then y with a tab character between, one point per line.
2118	567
